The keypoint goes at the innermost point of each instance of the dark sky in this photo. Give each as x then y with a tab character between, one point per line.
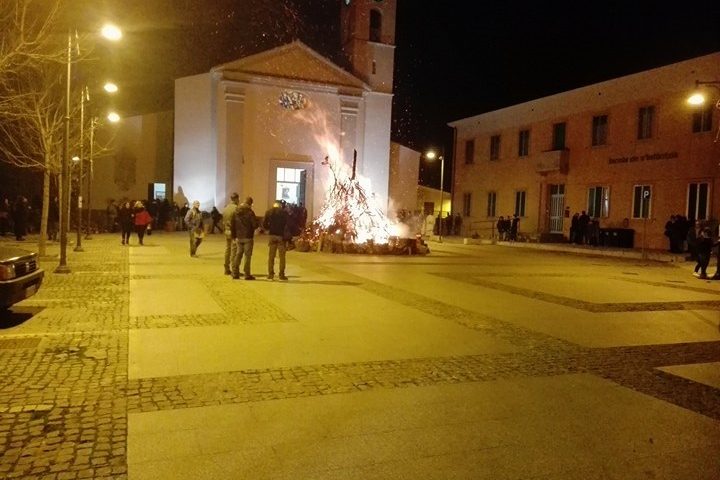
453	59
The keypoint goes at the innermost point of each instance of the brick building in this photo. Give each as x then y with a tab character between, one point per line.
630	151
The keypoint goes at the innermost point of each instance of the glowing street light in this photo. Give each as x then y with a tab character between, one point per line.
111	32
110	87
432	155
113	117
696	99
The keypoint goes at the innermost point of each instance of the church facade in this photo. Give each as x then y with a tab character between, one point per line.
266	125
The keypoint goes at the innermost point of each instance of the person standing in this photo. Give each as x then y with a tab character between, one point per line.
111	213
242	231
457	224
227	217
216	217
53	219
275	223
141	219
125	218
194	222
20	217
514	228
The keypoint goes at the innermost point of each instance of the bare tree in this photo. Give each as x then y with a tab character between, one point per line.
27	26
31	126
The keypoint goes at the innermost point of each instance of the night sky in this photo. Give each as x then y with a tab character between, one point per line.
453	60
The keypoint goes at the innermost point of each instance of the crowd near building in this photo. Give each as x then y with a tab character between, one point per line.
629	153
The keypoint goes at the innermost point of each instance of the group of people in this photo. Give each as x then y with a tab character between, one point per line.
507	228
15	217
281	222
133	217
584	230
681	233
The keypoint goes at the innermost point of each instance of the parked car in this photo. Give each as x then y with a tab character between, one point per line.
20	276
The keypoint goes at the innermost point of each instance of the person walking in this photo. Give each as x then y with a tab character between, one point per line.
111	213
194	222
141	220
227	218
242	231
703	249
125	219
216	220
275	223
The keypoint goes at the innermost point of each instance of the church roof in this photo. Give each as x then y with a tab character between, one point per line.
293	61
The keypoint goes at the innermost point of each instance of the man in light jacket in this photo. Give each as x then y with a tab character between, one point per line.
227	216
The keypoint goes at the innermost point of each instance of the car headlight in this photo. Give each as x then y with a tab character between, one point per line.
7	272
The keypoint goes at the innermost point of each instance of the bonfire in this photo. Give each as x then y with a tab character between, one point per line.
350	221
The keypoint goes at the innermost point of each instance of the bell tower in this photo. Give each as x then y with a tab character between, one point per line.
368	40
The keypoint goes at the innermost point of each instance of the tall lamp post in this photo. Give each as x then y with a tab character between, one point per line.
78	240
698	99
432	155
110	32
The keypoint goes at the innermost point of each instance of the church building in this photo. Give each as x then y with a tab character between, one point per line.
266	125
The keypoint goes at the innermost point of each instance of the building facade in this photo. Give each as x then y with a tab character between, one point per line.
263	125
630	152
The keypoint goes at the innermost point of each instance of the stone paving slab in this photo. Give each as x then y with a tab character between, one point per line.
500	429
706	373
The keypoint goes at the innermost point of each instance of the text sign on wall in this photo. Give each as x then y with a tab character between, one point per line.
644	158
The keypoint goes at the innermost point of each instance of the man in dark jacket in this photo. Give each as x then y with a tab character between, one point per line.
242	231
276	224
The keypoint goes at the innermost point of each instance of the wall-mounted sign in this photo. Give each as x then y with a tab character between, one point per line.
644	158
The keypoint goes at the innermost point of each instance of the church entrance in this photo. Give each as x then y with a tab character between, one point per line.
291	185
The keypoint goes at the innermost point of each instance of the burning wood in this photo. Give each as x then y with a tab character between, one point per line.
351	222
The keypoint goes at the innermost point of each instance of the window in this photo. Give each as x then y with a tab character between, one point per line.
375	26
467	202
558	139
645	122
524	143
697	204
598	202
642	196
469	151
495	147
491	202
702	120
374	67
520	203
599	130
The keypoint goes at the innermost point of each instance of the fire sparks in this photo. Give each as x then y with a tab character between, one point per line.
350	212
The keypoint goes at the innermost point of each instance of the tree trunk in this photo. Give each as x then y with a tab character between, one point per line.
45	209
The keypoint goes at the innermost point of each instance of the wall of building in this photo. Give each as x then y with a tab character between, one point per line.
404	174
195	147
131	154
669	161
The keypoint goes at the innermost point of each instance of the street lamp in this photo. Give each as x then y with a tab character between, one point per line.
432	155
110	32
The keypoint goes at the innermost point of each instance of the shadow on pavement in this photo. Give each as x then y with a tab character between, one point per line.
17	316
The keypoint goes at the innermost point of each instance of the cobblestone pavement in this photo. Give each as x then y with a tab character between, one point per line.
65	394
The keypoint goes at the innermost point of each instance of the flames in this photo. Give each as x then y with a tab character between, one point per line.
350	213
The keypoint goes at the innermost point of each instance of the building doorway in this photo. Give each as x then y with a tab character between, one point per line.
291	185
557	207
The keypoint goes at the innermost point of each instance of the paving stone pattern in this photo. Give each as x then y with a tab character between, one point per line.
65	394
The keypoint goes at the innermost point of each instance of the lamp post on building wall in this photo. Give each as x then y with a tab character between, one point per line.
432	155
698	98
